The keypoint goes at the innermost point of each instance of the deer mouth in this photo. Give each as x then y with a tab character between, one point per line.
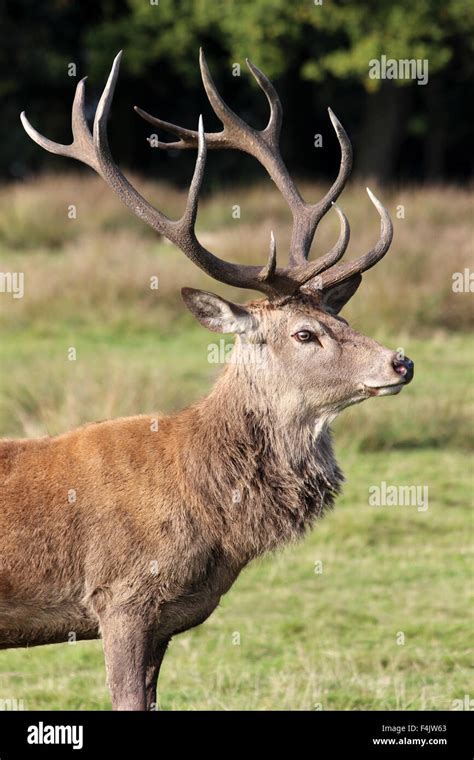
383	390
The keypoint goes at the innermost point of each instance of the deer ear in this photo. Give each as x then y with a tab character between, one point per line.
335	298
216	313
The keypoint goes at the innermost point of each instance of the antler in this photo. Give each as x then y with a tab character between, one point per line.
342	272
264	146
93	150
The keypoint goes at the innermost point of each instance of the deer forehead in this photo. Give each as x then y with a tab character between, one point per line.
289	312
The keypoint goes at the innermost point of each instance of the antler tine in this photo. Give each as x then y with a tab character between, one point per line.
82	138
93	149
190	213
342	272
338	250
304	273
273	127
81	147
188	138
269	270
110	172
234	126
345	166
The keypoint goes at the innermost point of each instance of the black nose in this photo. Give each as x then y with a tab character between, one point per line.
404	367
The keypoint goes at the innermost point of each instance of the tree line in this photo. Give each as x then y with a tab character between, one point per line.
397	73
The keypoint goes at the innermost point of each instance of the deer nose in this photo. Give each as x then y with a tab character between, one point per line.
404	367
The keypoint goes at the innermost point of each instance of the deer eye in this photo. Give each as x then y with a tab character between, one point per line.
305	336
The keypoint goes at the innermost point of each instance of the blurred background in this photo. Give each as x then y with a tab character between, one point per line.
308	638
317	55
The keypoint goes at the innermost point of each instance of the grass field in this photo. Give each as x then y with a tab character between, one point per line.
384	621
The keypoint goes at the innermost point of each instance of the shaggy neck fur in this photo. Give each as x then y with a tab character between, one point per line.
270	474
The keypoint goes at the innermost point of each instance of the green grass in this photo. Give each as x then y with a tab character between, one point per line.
308	640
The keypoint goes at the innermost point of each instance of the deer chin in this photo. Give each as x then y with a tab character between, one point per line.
383	390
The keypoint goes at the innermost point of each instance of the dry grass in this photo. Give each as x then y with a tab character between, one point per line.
97	266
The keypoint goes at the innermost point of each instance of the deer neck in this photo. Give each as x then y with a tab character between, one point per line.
264	471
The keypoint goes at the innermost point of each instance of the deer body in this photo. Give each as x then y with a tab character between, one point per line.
162	521
162	516
132	531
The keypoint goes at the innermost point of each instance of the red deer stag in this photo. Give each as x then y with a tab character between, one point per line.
156	535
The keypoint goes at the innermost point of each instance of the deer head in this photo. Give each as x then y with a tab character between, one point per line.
313	362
